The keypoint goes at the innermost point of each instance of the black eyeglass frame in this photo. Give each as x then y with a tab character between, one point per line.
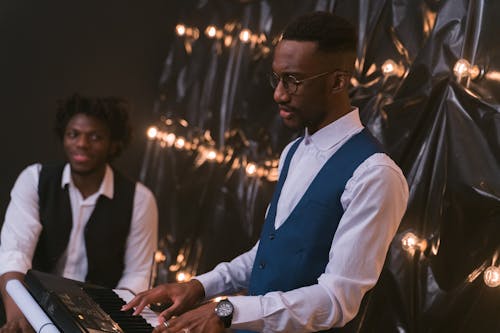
290	80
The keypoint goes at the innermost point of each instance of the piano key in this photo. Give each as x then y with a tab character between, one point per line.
149	315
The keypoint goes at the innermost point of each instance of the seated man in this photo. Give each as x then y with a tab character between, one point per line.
337	205
82	220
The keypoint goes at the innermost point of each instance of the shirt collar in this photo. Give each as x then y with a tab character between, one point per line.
336	132
106	188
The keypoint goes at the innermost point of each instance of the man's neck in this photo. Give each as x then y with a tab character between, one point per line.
88	183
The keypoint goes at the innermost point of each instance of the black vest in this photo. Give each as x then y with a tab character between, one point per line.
106	231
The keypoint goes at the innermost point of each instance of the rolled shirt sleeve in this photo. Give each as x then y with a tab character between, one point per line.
21	228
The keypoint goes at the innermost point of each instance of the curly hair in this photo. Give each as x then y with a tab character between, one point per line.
333	33
112	111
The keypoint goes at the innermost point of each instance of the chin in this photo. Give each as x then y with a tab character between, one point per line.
293	125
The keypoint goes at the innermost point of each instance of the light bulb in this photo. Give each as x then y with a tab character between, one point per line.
245	35
492	276
464	69
228	40
160	256
211	154
391	68
211	31
182	277
152	132
410	242
251	169
180	142
180	29
169	138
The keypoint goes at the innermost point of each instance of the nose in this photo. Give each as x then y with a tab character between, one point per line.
82	141
280	95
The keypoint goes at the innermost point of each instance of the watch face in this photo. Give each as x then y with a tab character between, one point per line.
224	309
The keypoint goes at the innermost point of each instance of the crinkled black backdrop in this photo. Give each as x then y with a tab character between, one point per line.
427	83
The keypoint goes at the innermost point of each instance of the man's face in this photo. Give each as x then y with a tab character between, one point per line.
87	144
307	106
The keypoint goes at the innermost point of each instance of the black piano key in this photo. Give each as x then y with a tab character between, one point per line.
111	304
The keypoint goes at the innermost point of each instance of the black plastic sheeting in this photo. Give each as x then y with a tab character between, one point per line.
443	131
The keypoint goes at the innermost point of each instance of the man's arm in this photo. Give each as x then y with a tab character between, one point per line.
374	203
12	312
141	242
19	237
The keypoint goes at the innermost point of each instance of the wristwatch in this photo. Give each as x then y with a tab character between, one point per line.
224	310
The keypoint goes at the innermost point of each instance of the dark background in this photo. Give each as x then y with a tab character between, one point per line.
443	132
52	49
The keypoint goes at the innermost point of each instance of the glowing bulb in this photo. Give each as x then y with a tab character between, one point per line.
152	132
160	256
390	68
180	257
227	41
251	169
463	69
410	242
169	139
492	276
182	276
211	31
211	155
180	29
180	143
245	35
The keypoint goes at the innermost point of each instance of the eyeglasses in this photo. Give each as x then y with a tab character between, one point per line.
290	82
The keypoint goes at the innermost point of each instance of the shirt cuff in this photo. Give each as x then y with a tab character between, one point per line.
247	313
14	261
211	282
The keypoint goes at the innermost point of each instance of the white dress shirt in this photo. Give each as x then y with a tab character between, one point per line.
22	228
374	201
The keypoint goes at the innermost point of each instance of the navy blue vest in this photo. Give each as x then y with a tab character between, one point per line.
106	231
296	254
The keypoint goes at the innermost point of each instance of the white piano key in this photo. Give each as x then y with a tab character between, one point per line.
149	315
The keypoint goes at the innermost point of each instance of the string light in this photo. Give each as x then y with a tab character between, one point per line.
211	154
160	256
245	35
182	276
180	142
492	276
152	132
251	169
180	29
205	152
410	243
391	68
211	31
463	69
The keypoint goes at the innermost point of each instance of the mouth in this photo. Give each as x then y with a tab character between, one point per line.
286	113
80	158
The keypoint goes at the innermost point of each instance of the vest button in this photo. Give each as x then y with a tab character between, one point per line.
271	236
262	265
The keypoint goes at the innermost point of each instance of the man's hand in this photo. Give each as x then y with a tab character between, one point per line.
16	322
17	325
200	320
183	296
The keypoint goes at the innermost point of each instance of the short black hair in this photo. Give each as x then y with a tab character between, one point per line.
332	33
113	111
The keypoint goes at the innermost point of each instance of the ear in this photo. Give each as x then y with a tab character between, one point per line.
340	82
